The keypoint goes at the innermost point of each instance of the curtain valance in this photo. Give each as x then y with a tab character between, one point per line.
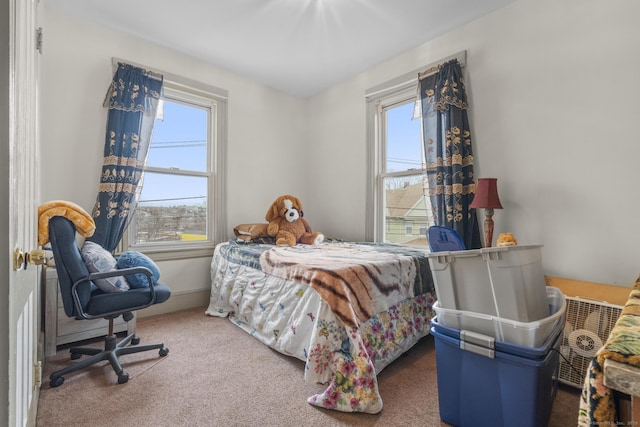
445	85
133	89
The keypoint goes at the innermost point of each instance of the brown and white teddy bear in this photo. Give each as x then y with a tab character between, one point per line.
287	225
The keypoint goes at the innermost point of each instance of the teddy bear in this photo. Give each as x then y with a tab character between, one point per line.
287	225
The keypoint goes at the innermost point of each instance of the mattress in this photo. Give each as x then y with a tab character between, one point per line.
346	309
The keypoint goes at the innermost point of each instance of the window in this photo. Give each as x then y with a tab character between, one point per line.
179	205
398	199
409	229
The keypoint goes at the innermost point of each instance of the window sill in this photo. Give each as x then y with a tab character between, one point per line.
173	253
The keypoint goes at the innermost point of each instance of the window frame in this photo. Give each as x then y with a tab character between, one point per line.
196	93
384	99
385	94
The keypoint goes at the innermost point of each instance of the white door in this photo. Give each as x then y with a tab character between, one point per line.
23	200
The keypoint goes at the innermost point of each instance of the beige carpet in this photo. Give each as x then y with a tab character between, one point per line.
218	375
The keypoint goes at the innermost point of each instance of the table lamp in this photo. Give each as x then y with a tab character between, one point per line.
487	197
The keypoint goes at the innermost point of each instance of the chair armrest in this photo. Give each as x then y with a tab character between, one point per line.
113	273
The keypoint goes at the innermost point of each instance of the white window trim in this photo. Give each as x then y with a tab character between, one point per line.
216	205
387	93
377	152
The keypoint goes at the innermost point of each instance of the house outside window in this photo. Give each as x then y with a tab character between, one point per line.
179	212
401	211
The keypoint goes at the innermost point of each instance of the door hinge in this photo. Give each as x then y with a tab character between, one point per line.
37	373
39	40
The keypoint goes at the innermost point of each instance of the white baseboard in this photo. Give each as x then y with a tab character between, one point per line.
177	302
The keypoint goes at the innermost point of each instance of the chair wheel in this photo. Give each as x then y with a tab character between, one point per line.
75	356
163	351
123	378
135	341
56	382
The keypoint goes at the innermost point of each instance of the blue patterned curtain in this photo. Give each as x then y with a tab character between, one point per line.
132	100
447	146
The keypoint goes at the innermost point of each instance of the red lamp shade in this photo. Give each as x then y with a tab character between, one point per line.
486	194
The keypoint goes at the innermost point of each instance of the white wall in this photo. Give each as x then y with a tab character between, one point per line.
550	116
267	129
554	101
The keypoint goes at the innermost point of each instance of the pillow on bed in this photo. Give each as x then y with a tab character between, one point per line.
263	240
100	260
248	232
136	259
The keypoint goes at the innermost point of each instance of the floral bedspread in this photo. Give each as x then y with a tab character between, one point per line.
292	318
597	404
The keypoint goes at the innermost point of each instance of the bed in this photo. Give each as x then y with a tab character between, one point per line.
346	309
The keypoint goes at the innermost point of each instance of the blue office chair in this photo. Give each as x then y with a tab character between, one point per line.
444	239
83	300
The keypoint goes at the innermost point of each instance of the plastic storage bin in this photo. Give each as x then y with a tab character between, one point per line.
474	340
504	282
492	388
528	334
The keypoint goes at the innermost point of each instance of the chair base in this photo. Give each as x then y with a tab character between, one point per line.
112	351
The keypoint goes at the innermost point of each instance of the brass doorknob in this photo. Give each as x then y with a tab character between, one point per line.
22	259
18	259
36	257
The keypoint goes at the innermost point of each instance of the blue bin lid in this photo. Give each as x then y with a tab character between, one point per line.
505	347
519	359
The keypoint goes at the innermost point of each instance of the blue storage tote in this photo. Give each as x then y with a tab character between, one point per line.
483	387
467	338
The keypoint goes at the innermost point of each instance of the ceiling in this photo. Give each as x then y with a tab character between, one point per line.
298	46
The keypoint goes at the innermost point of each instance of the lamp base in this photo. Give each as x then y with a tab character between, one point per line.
488	227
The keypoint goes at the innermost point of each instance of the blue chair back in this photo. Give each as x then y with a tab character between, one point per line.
444	239
69	264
